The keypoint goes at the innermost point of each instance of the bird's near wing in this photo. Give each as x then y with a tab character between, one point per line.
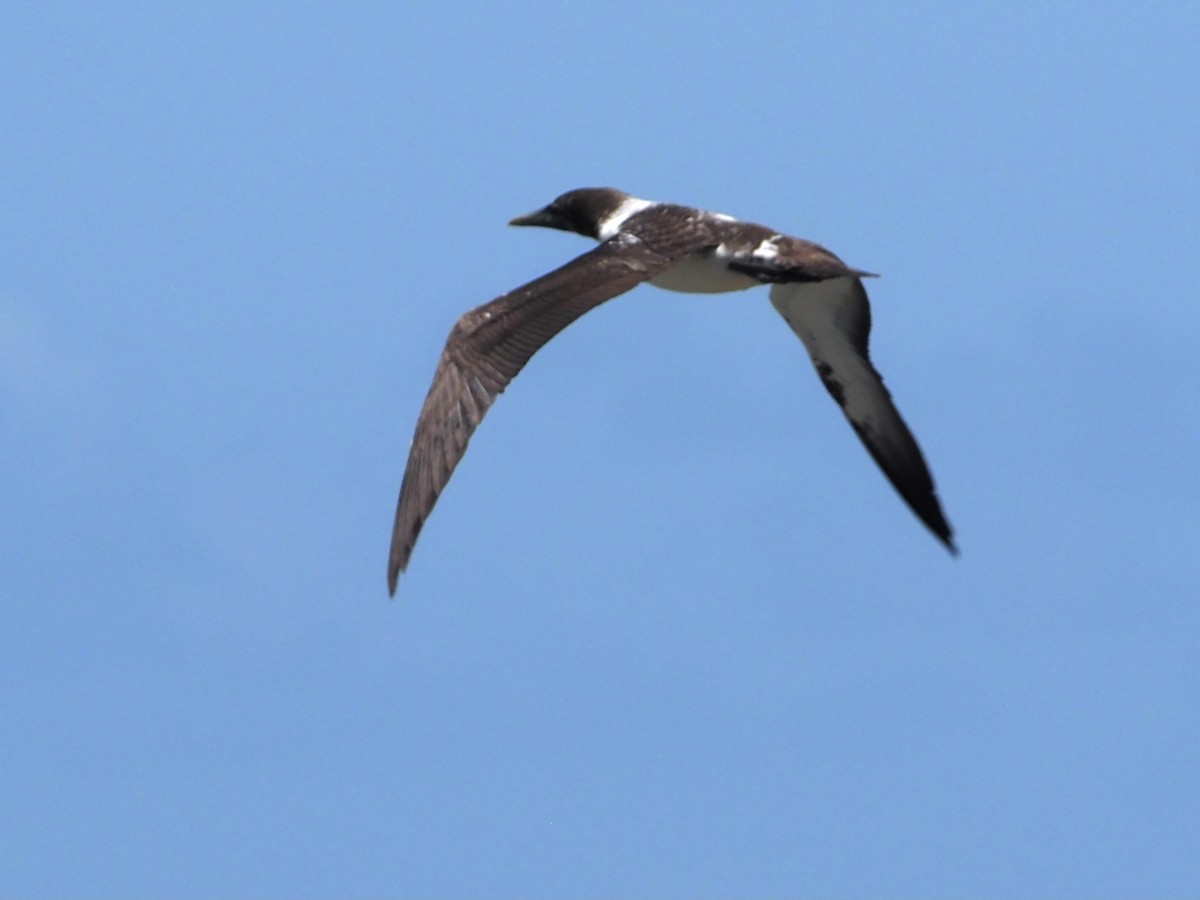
487	347
833	319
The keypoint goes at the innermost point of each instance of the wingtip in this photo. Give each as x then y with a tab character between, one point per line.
397	562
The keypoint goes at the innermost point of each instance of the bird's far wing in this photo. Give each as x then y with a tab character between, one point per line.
486	349
833	319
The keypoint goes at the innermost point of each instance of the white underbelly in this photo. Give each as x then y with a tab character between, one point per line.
703	275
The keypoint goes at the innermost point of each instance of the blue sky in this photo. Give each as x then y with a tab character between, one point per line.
669	633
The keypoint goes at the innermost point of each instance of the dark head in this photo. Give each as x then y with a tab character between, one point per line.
581	211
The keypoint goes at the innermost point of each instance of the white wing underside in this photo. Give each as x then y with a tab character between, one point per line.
833	320
830	317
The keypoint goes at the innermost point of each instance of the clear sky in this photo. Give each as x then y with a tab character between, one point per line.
669	633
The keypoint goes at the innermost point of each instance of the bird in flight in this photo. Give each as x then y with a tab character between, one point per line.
681	249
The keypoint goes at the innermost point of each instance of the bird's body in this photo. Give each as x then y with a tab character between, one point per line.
677	248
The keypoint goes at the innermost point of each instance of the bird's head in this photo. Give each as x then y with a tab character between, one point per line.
581	211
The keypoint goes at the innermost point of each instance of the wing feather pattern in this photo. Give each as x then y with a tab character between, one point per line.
832	318
486	349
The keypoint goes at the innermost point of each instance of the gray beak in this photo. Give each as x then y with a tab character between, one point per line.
542	217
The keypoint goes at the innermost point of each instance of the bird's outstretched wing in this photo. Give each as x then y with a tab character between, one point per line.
833	319
486	349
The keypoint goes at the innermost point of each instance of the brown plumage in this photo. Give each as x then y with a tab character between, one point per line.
486	349
678	248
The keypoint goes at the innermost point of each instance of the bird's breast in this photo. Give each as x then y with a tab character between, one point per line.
706	273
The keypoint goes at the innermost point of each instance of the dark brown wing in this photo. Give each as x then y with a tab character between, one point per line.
487	347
